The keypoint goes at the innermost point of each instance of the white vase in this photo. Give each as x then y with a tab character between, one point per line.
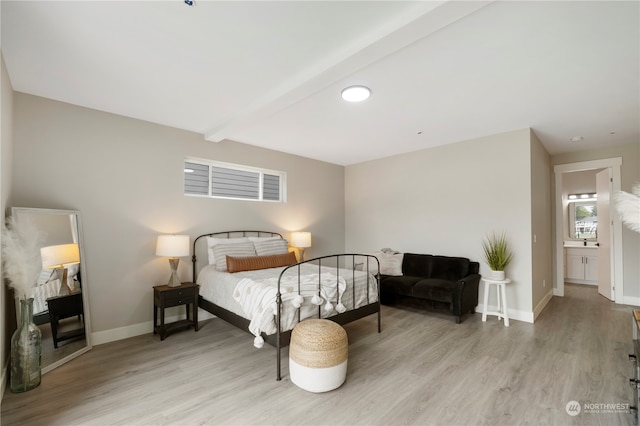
496	275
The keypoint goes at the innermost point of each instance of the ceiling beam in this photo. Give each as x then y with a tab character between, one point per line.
416	24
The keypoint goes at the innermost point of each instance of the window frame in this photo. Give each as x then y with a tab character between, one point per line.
239	167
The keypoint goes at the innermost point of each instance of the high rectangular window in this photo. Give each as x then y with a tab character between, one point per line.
225	180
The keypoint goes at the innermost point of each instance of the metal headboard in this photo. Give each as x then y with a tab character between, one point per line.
227	234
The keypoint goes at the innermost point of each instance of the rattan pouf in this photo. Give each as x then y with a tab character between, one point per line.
318	355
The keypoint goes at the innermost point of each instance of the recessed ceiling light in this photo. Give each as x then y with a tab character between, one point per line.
356	93
576	139
613	132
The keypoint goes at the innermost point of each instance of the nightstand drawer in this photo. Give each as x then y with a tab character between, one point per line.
179	297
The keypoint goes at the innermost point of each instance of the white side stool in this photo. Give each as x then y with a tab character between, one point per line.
501	296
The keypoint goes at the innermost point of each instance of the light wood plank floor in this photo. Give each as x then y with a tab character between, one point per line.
422	369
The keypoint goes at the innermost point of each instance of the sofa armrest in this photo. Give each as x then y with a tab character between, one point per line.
465	294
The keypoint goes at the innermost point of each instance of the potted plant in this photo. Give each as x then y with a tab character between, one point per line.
497	254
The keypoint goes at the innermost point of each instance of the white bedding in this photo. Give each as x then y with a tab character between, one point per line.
255	293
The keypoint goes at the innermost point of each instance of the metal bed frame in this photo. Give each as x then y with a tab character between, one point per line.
281	339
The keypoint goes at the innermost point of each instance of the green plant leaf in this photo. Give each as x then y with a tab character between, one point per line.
496	251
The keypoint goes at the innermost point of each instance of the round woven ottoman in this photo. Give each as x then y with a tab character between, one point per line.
318	355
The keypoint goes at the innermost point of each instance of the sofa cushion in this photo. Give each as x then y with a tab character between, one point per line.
435	289
449	268
400	285
417	265
390	263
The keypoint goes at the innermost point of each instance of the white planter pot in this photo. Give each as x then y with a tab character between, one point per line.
496	275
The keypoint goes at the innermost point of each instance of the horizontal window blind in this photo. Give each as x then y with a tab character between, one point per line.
234	183
271	187
223	180
196	178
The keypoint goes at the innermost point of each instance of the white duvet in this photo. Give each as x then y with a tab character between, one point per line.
252	294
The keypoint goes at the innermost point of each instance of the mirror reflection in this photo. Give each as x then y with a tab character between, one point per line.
583	220
60	305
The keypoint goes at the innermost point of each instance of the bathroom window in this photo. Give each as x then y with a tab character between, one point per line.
583	220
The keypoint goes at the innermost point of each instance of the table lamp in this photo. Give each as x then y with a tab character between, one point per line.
59	257
301	240
173	247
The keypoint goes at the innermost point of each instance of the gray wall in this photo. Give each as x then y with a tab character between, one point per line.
630	174
7	316
445	200
125	176
541	226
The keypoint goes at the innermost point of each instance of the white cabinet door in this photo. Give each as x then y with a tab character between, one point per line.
581	265
591	268
575	267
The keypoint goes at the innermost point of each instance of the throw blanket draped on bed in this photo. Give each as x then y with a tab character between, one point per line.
258	298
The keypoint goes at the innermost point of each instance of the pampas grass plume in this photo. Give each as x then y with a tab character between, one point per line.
628	206
21	256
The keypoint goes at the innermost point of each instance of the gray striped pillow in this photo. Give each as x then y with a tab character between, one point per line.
221	251
269	247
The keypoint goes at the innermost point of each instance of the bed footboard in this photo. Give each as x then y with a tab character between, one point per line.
343	263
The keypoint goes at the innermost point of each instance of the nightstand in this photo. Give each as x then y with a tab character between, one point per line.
62	307
166	297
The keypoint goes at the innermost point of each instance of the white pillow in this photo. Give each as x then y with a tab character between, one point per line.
211	242
390	264
221	251
269	247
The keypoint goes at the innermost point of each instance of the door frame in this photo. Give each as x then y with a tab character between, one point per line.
617	280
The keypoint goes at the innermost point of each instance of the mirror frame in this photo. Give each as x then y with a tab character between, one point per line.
15	211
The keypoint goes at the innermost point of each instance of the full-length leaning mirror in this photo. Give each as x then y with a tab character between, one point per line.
61	310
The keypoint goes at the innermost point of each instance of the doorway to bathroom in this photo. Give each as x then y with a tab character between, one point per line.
586	230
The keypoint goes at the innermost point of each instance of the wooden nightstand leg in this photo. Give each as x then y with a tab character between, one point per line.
162	328
155	318
195	313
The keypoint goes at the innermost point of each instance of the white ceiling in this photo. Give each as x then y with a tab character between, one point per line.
270	73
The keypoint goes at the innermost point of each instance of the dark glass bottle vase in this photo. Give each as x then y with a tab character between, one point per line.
26	346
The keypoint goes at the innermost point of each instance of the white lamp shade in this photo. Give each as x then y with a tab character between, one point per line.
60	256
172	245
301	239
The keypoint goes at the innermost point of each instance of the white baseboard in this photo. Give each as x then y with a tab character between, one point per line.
543	304
583	282
514	314
630	300
100	337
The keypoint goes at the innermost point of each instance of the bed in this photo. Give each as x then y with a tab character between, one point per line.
240	284
48	285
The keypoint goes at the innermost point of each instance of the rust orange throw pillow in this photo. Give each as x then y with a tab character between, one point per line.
251	263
